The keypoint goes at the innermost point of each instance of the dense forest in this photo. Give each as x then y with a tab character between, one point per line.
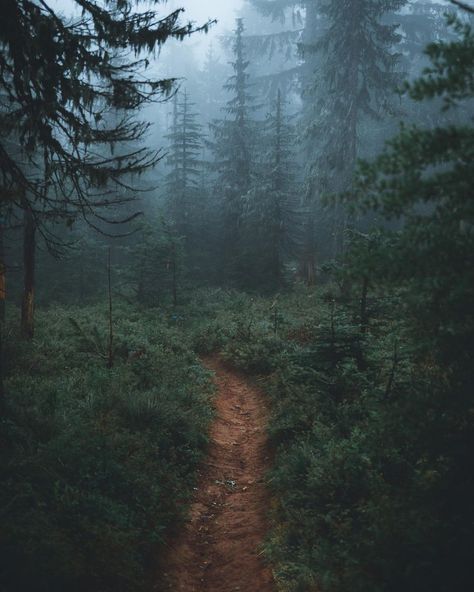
236	296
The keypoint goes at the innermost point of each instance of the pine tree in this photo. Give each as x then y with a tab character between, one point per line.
210	77
271	46
184	159
160	258
425	178
232	148
356	82
60	81
346	76
272	216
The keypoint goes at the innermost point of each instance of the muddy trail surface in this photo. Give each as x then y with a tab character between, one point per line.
219	549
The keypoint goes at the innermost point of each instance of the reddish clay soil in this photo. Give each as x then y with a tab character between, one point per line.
219	549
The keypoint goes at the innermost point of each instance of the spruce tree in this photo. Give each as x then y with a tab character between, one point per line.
184	161
213	96
425	178
232	148
346	76
272	215
59	80
357	82
61	153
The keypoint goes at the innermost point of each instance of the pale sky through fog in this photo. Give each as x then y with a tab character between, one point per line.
198	11
201	10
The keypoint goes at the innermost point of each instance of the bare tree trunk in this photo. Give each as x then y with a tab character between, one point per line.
311	270
2	313
175	282
29	252
3	286
110	354
309	256
277	273
391	378
364	321
82	285
335	229
2	369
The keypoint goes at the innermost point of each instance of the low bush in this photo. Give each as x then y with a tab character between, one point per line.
96	463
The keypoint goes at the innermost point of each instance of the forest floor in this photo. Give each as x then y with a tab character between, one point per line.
219	548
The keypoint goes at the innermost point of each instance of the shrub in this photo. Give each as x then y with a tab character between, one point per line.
96	463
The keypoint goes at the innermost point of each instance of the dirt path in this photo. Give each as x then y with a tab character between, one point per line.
219	548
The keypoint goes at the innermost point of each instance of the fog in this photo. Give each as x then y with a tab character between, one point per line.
236	295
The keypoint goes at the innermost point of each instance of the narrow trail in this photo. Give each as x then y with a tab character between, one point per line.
219	548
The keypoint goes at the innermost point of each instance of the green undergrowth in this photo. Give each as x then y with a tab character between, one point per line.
96	463
372	474
372	436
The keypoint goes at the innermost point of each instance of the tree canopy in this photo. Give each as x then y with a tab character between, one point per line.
61	76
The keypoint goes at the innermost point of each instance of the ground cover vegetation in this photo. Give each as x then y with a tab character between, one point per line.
342	287
97	462
371	387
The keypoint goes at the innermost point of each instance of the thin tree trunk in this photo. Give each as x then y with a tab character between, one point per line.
110	355
141	288
2	369
29	252
335	229
309	257
3	286
2	313
175	287
82	285
391	378
364	321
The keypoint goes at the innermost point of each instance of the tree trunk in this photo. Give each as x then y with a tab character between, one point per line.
2	312
82	284
3	286
29	252
110	353
175	283
364	321
311	271
309	255
2	370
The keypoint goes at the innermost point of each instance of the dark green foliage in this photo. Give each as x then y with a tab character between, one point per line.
371	462
356	81
184	161
369	468
272	215
369	377
373	417
233	148
425	175
157	264
96	463
60	81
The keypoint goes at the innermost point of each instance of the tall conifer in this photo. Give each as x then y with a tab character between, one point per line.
184	160
232	148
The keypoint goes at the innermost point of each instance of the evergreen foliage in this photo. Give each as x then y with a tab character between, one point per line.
184	160
425	176
233	148
160	256
272	215
368	366
355	80
96	463
60	79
